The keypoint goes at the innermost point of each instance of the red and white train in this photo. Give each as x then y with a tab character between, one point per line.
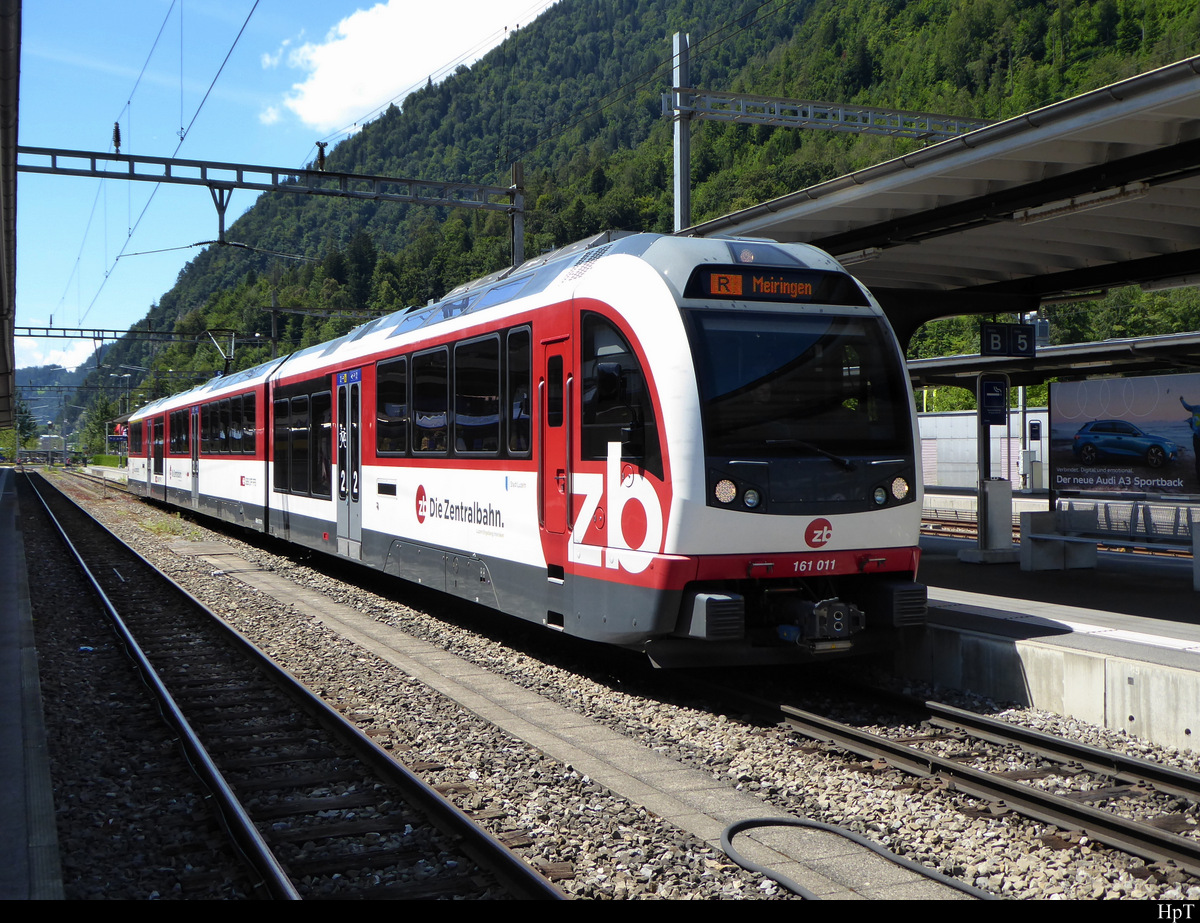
700	448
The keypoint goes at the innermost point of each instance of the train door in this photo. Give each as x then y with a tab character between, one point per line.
158	478
194	444
349	463
554	399
148	453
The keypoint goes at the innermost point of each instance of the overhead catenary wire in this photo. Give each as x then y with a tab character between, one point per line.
182	138
181	131
126	109
224	243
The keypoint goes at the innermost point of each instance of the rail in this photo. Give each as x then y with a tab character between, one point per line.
162	611
241	828
1136	837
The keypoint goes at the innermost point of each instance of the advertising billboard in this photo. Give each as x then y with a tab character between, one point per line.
1126	435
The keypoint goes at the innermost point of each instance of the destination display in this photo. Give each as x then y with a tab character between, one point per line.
739	283
1126	435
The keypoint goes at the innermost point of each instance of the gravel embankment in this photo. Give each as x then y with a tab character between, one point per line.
618	850
133	822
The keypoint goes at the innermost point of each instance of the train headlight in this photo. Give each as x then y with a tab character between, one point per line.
751	498
899	488
726	491
880	496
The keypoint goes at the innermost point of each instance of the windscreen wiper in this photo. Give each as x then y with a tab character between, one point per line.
841	460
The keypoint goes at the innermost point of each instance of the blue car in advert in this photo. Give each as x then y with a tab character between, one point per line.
1120	439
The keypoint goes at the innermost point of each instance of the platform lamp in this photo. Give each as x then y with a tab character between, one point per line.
126	376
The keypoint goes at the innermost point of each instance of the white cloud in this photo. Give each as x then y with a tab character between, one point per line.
270	115
271	61
70	354
375	55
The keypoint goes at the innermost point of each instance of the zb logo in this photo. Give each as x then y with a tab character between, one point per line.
635	517
819	532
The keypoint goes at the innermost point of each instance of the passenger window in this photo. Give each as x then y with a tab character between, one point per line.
391	407
520	383
282	444
322	444
299	445
235	424
223	427
249	424
430	402
477	396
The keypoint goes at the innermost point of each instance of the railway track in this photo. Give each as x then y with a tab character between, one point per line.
1063	786
932	815
316	807
105	484
955	523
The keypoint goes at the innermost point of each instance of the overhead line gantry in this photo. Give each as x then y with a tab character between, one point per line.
222	179
684	104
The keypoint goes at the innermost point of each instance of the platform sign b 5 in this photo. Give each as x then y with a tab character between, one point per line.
1016	340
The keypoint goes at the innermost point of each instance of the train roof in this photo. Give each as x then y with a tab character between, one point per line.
672	257
212	389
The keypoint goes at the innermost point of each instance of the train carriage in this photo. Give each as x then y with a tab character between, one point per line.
205	448
702	448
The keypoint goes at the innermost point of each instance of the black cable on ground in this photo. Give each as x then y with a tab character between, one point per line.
752	823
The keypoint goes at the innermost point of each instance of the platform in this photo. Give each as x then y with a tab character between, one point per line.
1118	646
30	868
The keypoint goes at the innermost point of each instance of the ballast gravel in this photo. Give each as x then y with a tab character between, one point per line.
599	845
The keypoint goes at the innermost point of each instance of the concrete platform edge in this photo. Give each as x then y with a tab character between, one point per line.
37	873
1131	692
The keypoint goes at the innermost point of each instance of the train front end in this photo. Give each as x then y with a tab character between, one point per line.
795	477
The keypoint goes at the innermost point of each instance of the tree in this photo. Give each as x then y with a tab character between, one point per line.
20	434
595	161
96	422
26	426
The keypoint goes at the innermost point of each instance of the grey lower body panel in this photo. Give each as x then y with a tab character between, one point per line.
597	610
604	611
248	515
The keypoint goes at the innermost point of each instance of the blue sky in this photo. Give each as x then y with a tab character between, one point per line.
302	71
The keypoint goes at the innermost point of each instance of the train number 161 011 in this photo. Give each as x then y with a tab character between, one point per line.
813	566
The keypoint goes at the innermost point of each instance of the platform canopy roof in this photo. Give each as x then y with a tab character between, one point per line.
1124	356
10	70
1096	191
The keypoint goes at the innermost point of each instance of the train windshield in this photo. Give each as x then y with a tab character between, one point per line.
778	384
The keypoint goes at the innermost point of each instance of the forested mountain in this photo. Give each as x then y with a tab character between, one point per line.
575	96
